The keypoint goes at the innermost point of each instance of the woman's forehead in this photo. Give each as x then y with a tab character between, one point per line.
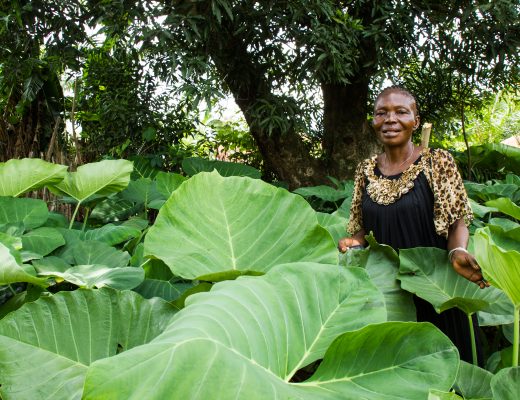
395	99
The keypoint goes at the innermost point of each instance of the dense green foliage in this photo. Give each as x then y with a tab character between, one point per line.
302	73
241	281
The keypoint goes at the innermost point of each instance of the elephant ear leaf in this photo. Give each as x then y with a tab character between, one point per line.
212	224
246	339
500	264
427	272
506	384
473	382
94	180
20	176
27	212
11	270
195	165
382	264
59	333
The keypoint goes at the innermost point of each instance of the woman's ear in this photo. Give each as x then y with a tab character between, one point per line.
417	122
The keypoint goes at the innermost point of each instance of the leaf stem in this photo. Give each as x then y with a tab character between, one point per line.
516	335
85	219
473	344
12	290
74	215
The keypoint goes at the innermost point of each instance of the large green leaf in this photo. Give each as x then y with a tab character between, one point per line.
49	265
327	193
427	272
114	209
99	178
213	224
98	276
112	234
505	237
504	223
382	264
194	165
246	339
499	313
479	210
93	252
166	290
394	360
335	224
505	206
495	157
141	191
47	346
473	382
506	384
11	271
21	176
42	240
143	168
168	182
500	266
11	241
31	212
439	395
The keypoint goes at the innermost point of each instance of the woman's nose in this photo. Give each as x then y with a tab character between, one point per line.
390	116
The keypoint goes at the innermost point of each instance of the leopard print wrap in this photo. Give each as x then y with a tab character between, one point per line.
450	199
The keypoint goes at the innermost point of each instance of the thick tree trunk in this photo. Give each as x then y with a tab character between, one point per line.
22	139
347	138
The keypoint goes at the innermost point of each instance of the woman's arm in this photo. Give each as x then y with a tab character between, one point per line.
355	222
463	262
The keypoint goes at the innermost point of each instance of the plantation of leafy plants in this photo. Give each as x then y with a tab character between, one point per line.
235	290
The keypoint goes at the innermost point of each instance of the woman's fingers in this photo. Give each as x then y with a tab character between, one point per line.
344	244
468	267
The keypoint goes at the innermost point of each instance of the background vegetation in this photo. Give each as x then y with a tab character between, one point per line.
132	78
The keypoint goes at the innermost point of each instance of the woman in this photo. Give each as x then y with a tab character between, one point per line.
410	196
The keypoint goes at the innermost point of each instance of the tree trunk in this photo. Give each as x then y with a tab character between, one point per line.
348	138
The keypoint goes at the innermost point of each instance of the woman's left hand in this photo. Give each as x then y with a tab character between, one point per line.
466	265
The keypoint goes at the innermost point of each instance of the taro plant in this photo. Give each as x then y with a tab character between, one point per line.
233	225
435	281
21	176
265	309
327	198
92	182
498	252
38	251
261	331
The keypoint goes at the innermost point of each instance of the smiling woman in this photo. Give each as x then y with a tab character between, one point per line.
411	196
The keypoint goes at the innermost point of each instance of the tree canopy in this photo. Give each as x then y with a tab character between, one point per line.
303	72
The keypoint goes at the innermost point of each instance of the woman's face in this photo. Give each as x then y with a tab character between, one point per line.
395	118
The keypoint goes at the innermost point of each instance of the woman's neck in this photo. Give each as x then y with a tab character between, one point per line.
396	155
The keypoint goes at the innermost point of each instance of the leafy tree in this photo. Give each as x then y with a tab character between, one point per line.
121	110
34	48
303	71
280	58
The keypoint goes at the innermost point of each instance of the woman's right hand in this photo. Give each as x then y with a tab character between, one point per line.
346	243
